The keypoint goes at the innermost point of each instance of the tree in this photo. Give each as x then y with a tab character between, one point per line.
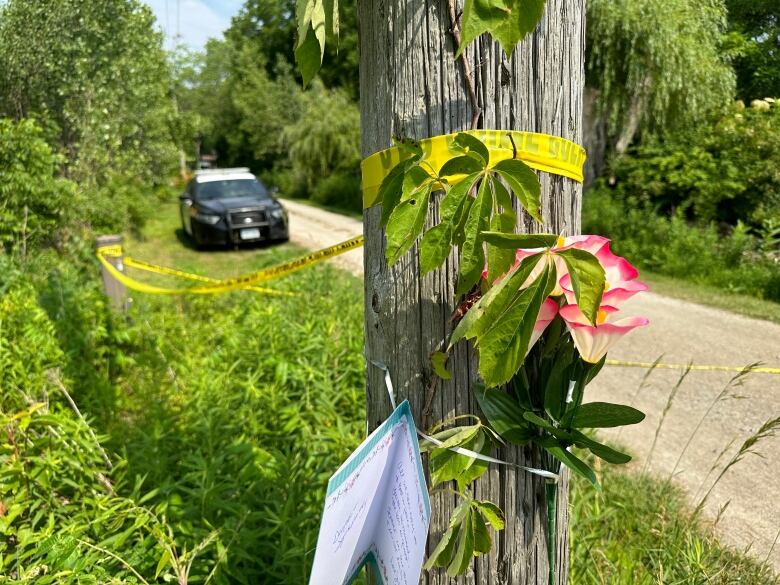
656	65
268	26
96	71
755	28
411	87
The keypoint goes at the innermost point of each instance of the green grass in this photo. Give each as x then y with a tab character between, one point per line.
712	296
640	531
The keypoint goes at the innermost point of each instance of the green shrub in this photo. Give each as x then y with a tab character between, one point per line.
341	190
724	172
33	202
672	246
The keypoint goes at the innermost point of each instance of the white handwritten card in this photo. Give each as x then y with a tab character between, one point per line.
377	510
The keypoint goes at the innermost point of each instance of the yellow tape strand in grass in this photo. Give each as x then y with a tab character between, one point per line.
703	368
246	281
542	152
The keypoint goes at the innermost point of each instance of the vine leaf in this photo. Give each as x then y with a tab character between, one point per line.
492	513
472	259
524	184
318	21
438	361
587	280
406	222
472	147
515	241
508	21
482	541
465	550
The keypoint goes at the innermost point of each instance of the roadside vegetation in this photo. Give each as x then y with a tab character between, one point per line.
191	440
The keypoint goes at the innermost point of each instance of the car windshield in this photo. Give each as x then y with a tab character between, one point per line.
232	188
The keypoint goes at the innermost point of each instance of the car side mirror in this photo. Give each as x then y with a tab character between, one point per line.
273	191
186	199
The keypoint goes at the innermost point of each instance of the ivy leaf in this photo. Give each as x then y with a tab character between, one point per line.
442	554
465	550
406	222
605	452
390	190
435	246
500	260
504	345
482	541
503	414
599	415
438	359
587	280
492	513
515	241
472	258
524	183
461	165
495	303
508	21
447	465
472	146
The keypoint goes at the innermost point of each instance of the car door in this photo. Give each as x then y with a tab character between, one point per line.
186	202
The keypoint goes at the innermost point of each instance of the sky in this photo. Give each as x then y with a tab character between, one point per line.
195	20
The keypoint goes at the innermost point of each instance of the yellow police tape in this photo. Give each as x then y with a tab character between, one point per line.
215	286
704	368
542	152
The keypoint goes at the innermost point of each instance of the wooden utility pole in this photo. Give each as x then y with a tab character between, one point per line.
411	86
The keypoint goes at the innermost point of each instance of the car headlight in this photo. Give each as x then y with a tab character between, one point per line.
277	213
207	218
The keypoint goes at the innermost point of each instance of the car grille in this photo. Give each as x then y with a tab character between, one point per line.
242	218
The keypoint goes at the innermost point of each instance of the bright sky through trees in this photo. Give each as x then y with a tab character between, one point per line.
194	20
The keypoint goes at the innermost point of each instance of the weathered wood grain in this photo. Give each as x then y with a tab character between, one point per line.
411	86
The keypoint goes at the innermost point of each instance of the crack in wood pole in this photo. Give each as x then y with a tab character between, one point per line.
467	72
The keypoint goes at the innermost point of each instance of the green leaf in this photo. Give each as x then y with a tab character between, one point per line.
492	513
482	541
500	260
503	414
472	257
465	550
308	55
435	246
480	444
442	554
507	21
162	563
438	361
599	415
390	190
524	183
504	345
515	241
607	453
405	224
461	165
587	280
472	145
546	425
570	460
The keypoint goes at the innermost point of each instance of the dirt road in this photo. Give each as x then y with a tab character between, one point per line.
683	332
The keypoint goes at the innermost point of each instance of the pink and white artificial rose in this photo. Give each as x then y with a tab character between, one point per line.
593	341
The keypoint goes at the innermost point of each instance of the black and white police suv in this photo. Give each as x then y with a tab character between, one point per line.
229	207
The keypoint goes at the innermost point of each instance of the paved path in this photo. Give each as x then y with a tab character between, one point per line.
683	332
